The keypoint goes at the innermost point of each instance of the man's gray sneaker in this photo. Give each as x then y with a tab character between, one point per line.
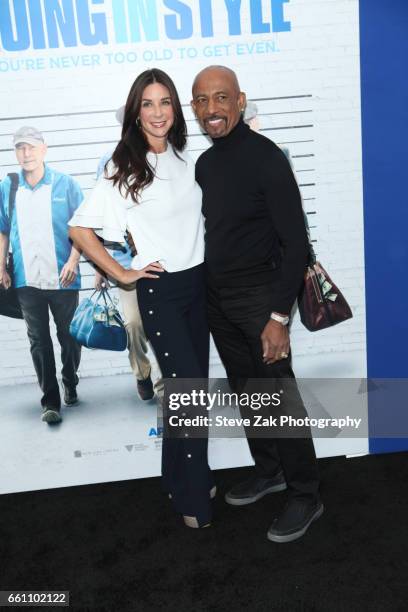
254	488
51	415
295	520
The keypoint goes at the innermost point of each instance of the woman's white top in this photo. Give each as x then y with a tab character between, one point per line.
166	224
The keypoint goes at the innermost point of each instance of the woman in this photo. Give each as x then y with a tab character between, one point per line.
150	191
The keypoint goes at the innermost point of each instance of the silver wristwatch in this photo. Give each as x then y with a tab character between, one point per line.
279	318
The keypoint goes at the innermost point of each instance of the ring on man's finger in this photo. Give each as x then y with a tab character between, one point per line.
284	355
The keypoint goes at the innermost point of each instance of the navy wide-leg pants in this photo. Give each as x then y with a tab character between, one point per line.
174	315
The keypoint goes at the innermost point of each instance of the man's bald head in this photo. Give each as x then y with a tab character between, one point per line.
217	100
212	72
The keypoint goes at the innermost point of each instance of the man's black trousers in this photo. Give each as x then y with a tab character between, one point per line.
237	317
35	305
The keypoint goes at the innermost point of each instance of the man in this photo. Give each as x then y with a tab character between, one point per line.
256	253
45	264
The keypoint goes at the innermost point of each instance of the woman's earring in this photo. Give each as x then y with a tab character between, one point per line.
138	122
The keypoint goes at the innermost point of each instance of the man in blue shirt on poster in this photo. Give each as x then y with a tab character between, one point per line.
45	264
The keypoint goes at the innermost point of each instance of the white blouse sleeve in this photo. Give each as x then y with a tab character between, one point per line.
104	211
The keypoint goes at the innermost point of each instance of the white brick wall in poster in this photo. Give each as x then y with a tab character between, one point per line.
308	95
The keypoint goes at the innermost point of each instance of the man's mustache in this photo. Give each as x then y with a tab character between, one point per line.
214	117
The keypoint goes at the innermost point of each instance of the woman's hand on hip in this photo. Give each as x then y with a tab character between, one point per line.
131	276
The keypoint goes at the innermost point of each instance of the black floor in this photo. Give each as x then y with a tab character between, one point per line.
119	547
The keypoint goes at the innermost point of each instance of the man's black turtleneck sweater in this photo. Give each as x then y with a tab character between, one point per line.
255	230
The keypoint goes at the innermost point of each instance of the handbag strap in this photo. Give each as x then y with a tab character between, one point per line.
316	285
104	294
14	182
312	258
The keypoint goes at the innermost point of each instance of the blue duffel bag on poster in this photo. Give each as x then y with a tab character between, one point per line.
97	324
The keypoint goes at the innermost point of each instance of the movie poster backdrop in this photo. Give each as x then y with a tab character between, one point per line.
65	68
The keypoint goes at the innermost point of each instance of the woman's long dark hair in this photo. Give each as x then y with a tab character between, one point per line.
132	170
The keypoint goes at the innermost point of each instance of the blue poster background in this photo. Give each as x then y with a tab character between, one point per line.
384	92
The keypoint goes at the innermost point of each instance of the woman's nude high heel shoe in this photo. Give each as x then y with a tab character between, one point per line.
191	521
